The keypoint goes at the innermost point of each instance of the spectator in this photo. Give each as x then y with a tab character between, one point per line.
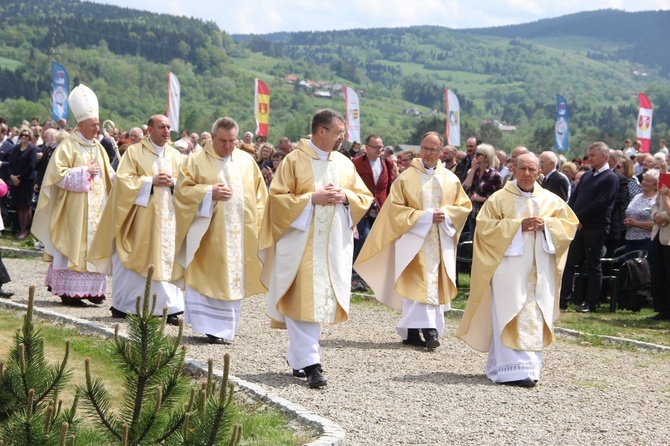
22	161
592	202
660	268
482	181
638	220
554	181
463	166
264	155
405	159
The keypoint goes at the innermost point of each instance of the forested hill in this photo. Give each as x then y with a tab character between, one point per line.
155	37
636	36
507	75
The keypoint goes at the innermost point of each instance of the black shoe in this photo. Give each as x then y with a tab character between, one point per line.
72	302
314	377
662	316
117	314
430	335
5	294
211	339
563	305
96	300
298	373
413	338
586	309
528	383
172	319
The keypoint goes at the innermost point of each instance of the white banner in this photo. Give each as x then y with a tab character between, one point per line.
174	90
353	115
453	119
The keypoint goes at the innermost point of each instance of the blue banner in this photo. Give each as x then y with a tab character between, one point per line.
60	90
561	128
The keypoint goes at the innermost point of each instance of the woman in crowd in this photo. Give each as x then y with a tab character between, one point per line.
660	267
269	170
638	219
264	155
625	167
482	180
569	169
22	161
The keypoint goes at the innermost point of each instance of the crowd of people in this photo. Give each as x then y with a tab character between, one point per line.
215	217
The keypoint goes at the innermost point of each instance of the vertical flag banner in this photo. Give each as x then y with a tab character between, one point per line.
60	90
453	127
561	128
644	122
353	115
174	91
262	108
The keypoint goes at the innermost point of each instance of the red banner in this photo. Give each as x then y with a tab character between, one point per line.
644	123
262	108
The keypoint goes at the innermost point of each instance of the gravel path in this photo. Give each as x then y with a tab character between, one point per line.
383	393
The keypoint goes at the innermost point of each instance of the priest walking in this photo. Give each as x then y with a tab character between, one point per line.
316	199
520	247
138	225
219	202
409	258
72	198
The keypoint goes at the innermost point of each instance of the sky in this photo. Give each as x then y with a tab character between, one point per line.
266	16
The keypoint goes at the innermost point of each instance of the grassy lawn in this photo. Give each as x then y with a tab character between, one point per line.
261	426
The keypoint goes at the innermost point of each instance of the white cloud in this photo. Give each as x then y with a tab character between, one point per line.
265	16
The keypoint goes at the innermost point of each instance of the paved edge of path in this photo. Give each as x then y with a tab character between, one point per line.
330	433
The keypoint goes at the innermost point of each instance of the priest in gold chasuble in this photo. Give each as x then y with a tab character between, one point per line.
409	258
72	198
306	242
219	203
138	225
520	248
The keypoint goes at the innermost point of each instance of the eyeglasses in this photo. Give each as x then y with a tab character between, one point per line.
339	135
375	147
24	135
478	153
433	151
470	146
404	160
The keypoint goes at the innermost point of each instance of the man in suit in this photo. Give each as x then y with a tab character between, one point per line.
376	172
592	201
554	181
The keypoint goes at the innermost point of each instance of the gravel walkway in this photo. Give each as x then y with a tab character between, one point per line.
383	393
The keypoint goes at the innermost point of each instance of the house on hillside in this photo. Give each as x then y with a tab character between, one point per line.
323	94
412	111
291	79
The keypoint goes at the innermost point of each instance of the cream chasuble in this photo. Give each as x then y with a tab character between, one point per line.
307	255
71	202
405	254
139	221
217	240
521	269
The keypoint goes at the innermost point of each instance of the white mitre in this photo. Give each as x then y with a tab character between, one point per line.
83	103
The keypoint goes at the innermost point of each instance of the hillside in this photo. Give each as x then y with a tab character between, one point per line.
510	74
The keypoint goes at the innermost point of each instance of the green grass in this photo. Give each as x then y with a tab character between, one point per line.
10	64
261	425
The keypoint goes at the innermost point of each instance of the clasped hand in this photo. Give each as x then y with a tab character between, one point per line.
221	192
532	224
438	215
93	168
162	180
329	195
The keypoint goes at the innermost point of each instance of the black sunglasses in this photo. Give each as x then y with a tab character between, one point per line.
24	135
